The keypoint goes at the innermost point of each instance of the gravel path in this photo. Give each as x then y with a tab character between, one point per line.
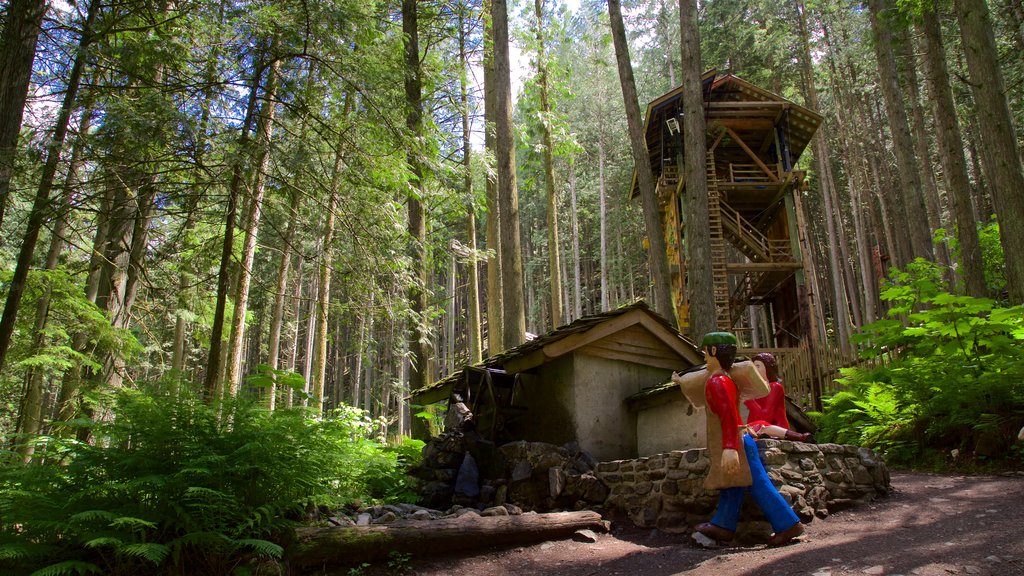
932	525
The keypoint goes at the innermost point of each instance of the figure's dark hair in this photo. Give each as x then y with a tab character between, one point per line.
724	353
771	366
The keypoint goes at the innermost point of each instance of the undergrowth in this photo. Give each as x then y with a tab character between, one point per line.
170	488
950	393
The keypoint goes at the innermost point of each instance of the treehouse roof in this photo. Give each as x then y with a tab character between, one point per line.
761	119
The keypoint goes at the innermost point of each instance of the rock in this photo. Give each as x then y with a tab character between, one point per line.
386	518
703	541
521	471
467	483
495	511
341	521
879	569
585	536
556	482
363	519
421	515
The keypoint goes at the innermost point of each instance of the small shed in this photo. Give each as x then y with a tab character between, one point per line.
574	384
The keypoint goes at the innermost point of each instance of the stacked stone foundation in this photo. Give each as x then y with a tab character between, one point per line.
666	491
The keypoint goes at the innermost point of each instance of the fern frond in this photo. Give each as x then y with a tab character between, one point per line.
93	515
151	551
68	567
263	548
17	551
104	541
132	523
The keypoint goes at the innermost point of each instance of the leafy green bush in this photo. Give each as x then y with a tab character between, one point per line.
170	488
951	383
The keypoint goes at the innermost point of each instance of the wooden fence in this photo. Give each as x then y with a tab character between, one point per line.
799	374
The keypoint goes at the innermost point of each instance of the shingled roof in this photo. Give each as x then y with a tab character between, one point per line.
530	354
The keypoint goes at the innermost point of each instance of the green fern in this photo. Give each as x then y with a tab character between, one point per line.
68	568
149	551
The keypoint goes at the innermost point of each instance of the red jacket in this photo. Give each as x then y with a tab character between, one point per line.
720	392
770	409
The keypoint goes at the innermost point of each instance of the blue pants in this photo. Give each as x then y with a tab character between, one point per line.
774	506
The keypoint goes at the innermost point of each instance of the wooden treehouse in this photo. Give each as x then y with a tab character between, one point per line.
754	139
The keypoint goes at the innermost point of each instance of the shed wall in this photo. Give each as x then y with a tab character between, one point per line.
547	393
674	425
604	427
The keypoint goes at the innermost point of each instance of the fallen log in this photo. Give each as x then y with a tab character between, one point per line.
350	545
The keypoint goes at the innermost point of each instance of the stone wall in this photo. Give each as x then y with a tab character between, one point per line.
666	491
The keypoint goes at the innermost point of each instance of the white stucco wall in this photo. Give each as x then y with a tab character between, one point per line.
604	427
673	425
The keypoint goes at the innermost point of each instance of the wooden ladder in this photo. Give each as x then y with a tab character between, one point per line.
719	273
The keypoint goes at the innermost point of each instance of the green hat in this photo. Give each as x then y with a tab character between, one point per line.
718	338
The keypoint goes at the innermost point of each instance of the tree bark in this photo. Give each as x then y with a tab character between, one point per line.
914	209
951	153
323	301
555	289
997	136
17	53
657	257
514	317
251	226
419	347
319	547
41	204
213	382
700	290
475	344
493	240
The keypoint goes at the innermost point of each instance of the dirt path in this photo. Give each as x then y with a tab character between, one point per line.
932	525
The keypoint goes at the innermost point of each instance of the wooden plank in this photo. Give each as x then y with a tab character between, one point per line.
747	104
762	266
523	363
753	156
673	340
655	361
573	341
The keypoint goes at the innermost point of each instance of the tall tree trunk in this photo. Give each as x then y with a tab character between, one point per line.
277	316
419	347
997	136
24	19
213	382
319	371
951	153
603	211
495	308
577	301
41	204
657	257
914	210
514	317
475	345
700	291
233	377
554	265
666	41
921	137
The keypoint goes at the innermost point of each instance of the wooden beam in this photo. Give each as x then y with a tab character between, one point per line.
655	361
747	104
574	341
736	138
762	266
523	363
673	340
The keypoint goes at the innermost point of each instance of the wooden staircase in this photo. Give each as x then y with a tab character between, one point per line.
719	272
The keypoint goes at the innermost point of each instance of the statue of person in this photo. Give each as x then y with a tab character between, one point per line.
736	465
459	417
767	415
